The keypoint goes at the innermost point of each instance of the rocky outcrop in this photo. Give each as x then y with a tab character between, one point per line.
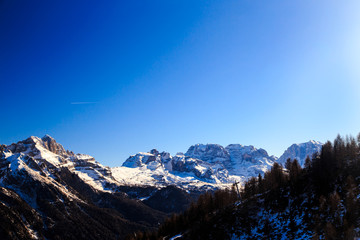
164	163
206	164
300	152
41	177
44	190
239	160
48	156
239	153
249	161
50	144
211	153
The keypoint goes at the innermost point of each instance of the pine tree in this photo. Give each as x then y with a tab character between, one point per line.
307	164
295	171
288	163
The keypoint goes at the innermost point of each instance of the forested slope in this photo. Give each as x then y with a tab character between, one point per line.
319	201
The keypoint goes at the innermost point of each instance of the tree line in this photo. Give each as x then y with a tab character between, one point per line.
323	195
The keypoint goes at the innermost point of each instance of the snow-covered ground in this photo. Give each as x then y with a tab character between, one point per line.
202	166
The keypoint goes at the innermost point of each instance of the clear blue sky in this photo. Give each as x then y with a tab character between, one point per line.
112	78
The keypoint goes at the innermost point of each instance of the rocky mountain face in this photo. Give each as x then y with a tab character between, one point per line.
211	153
162	169
320	201
47	156
47	192
203	166
239	160
300	152
45	189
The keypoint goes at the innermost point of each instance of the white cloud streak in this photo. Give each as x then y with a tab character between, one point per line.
80	103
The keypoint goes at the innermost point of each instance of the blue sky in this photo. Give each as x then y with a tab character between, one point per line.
113	78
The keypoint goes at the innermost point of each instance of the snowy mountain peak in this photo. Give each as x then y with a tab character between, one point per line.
313	142
35	145
248	160
50	144
47	137
300	151
154	152
141	159
202	166
211	153
45	156
155	168
238	149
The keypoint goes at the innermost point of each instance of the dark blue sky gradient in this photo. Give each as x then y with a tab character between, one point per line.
169	74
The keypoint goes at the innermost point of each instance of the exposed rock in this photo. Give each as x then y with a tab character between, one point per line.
50	144
212	153
300	152
44	190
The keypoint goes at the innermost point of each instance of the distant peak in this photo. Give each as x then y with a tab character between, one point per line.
47	138
234	145
31	140
51	144
154	151
314	142
34	138
300	151
311	142
204	147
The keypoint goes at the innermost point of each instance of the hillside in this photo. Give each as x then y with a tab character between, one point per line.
49	193
205	166
319	201
46	189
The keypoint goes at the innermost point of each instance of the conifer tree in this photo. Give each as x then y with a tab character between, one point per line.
308	163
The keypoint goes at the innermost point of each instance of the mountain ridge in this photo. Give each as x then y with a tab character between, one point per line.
203	166
206	165
59	186
44	191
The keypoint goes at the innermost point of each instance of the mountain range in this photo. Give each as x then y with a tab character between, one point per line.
45	189
201	167
206	166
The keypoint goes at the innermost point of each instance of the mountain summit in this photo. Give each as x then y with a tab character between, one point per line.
300	152
45	189
50	184
205	165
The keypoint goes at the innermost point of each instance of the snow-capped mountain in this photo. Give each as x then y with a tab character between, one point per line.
162	169
45	156
300	152
205	165
51	183
211	153
45	189
202	166
239	160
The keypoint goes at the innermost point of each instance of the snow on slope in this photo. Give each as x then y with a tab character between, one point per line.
300	152
209	165
44	156
203	166
161	169
246	161
17	166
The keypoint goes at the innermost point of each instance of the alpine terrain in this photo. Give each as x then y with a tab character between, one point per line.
318	201
205	167
47	192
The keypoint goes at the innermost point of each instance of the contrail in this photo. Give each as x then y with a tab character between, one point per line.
77	103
